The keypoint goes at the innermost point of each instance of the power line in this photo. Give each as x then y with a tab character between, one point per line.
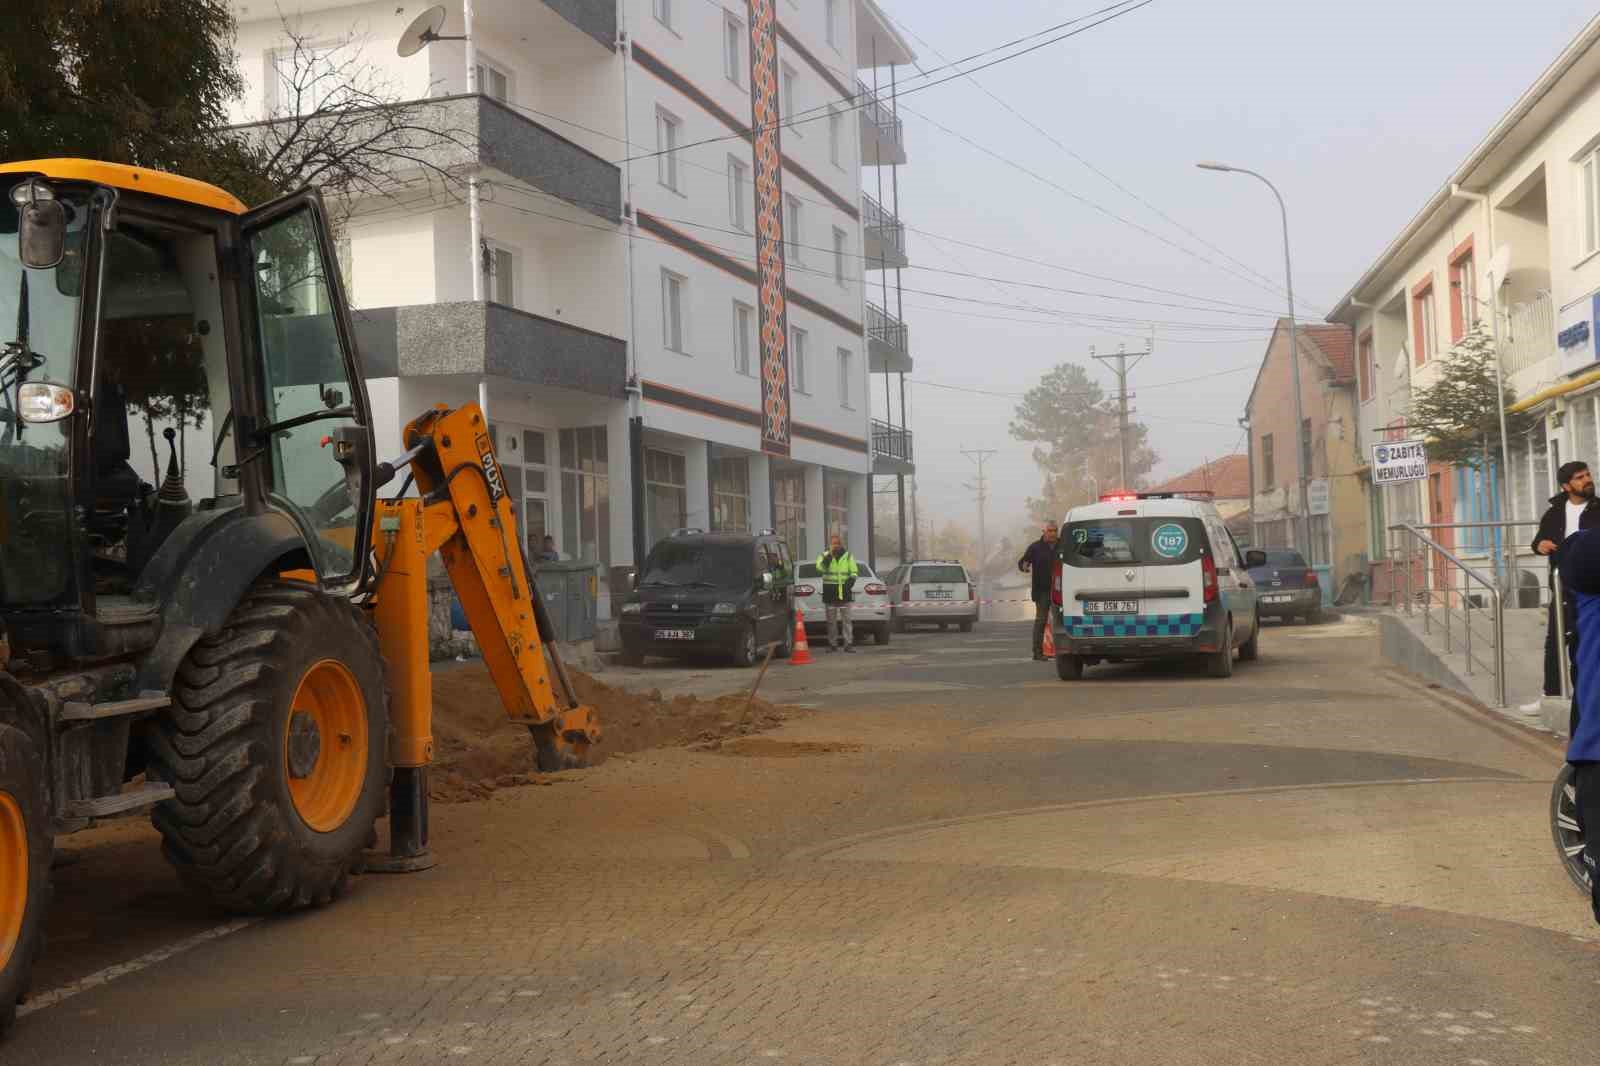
853	104
1100	393
1047	135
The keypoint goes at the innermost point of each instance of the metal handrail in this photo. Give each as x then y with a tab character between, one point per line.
1497	660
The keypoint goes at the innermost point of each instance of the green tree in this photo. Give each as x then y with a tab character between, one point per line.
144	82
1460	411
1073	427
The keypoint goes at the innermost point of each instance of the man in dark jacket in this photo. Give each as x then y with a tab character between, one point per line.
1572	509
1040	559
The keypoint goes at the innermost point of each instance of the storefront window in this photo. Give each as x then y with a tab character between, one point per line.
585	495
836	491
789	510
666	493
730	494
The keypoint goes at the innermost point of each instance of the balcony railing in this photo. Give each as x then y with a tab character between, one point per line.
1530	333
881	125
886	329
891	440
885	234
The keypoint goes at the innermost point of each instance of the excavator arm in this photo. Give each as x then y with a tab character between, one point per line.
464	513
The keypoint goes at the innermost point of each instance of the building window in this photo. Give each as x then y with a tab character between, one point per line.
744	329
1591	202
1305	448
840	251
730	494
493	81
586	495
738	181
525	463
301	81
733	50
845	360
1367	367
666	493
791	229
672	286
1268	475
830	20
663	12
836	137
789	103
1463	295
789	509
1424	324
1321	546
798	360
669	135
836	496
501	263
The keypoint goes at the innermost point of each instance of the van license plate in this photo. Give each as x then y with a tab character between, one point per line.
674	634
937	594
1276	599
1110	606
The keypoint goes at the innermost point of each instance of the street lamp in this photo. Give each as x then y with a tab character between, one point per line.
1294	348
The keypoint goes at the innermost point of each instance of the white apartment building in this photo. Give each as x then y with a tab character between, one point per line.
644	365
1527	200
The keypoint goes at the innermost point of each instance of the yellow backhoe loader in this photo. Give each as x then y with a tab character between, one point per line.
247	660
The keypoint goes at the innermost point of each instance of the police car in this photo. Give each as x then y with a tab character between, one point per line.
1152	576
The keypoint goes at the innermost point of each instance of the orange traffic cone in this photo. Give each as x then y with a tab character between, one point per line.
1049	639
800	654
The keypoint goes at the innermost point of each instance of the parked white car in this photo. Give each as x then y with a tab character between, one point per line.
869	613
933	592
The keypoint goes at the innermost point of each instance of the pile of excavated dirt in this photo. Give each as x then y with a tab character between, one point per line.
477	751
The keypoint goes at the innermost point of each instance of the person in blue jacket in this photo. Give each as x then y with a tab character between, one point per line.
1579	561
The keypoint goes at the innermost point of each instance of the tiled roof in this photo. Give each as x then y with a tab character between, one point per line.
1227	478
1337	345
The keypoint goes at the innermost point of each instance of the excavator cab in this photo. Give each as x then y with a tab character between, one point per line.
205	610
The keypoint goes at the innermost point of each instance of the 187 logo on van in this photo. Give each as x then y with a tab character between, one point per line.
491	468
1170	540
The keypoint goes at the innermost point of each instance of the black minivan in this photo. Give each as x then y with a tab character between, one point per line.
726	593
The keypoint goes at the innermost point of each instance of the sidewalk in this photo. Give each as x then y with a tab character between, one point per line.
1404	643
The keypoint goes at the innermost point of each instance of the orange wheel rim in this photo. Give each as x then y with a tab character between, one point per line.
325	746
13	875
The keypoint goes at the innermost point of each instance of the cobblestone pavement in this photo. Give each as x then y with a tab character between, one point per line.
1316	861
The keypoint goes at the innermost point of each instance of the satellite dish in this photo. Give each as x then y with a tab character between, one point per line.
423	31
1499	264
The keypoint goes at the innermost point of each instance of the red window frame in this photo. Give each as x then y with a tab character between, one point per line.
1460	265
1419	333
1366	370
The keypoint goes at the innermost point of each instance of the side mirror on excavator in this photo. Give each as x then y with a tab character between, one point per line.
42	230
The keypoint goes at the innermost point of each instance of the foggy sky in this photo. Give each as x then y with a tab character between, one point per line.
1357	111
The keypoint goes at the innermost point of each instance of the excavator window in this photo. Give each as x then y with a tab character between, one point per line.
306	379
161	386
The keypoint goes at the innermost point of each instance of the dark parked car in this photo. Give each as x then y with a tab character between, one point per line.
727	593
1286	587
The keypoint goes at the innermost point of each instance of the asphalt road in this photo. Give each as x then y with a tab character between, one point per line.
954	858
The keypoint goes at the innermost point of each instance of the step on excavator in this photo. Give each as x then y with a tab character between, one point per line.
248	661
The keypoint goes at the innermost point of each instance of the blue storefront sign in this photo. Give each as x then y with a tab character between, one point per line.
1577	327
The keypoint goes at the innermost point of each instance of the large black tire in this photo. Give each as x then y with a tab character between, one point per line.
630	656
1565	830
234	832
1315	617
1220	663
966	627
746	651
24	833
881	634
1250	650
1069	667
785	646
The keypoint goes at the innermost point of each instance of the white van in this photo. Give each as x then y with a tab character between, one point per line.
1152	576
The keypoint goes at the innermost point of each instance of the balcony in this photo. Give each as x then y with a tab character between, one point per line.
882	135
884	236
888	343
420	340
1530	333
891	449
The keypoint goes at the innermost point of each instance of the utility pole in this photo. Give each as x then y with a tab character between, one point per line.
916	525
981	456
1122	356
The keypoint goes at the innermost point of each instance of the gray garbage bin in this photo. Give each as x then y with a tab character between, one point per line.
569	591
